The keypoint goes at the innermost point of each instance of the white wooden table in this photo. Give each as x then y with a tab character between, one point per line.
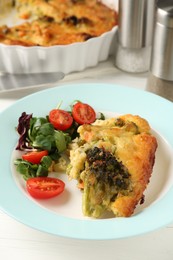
21	242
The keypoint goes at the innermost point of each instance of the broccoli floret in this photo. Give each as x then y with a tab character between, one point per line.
104	177
107	168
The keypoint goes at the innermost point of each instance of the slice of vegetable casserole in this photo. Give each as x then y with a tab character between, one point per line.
112	161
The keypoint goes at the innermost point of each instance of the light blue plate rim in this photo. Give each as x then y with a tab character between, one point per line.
103	97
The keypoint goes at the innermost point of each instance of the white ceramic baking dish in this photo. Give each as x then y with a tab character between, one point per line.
65	58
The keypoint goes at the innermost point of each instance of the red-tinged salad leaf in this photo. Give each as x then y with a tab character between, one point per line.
22	129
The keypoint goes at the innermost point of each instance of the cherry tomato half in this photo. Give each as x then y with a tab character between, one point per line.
83	113
34	157
44	187
61	119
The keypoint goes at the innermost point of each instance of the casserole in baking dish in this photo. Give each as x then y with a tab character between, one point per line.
57	33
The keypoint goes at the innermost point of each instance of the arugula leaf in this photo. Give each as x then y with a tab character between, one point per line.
46	129
60	141
26	169
37	126
44	142
29	170
43	136
46	161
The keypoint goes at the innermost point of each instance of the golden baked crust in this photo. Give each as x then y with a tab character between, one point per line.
113	162
59	22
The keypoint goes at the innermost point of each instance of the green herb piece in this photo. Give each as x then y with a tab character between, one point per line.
101	116
60	141
29	170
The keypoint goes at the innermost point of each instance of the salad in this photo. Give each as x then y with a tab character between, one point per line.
43	140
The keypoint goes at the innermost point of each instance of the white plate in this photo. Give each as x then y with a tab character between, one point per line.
63	215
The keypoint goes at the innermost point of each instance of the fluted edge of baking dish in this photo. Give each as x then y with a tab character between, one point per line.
65	58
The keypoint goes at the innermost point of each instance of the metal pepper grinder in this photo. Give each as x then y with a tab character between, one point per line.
160	79
135	35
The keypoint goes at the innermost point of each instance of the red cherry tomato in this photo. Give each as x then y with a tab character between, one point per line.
44	187
34	157
83	113
61	119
